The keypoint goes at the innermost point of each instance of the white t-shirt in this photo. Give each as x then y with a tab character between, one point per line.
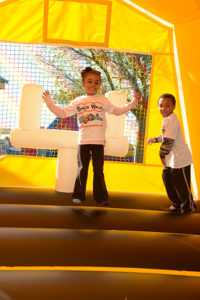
180	155
91	117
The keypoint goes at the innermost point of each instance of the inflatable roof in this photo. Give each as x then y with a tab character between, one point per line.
169	30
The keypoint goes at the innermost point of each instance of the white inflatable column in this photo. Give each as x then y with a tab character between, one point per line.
29	134
66	170
30	106
115	124
116	142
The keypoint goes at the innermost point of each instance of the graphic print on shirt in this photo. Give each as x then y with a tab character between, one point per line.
163	130
89	112
86	118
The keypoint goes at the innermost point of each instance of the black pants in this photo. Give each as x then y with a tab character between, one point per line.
178	187
100	193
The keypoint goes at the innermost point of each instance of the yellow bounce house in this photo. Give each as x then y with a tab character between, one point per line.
166	30
135	249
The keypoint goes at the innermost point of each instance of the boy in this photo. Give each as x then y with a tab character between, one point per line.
175	157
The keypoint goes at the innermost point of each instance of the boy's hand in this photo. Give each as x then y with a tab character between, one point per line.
151	141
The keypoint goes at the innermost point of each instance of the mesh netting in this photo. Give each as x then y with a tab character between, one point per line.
57	69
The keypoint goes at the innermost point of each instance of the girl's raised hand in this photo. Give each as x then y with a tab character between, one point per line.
46	97
138	97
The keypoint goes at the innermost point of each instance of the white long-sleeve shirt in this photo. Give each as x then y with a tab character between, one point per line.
180	155
91	116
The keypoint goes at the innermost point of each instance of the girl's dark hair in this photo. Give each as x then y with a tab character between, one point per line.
170	96
87	70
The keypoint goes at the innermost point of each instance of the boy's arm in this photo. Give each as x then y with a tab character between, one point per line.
157	139
119	110
166	147
59	112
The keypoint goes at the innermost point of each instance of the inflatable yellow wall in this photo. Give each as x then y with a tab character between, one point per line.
118	25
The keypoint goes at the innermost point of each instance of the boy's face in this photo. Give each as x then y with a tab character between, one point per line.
91	84
166	106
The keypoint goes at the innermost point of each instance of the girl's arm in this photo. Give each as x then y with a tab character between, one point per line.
119	110
59	112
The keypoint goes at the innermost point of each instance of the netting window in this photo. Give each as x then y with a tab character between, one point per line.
57	69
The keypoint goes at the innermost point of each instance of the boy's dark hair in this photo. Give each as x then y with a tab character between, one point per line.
170	96
87	70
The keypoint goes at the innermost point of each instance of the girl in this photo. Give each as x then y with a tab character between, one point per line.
91	117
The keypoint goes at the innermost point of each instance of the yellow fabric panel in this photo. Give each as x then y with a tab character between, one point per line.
28	171
22	21
188	43
171	11
162	64
131	178
41	172
116	25
132	30
112	24
77	22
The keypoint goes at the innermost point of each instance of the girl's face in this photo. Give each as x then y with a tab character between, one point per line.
166	106
91	84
